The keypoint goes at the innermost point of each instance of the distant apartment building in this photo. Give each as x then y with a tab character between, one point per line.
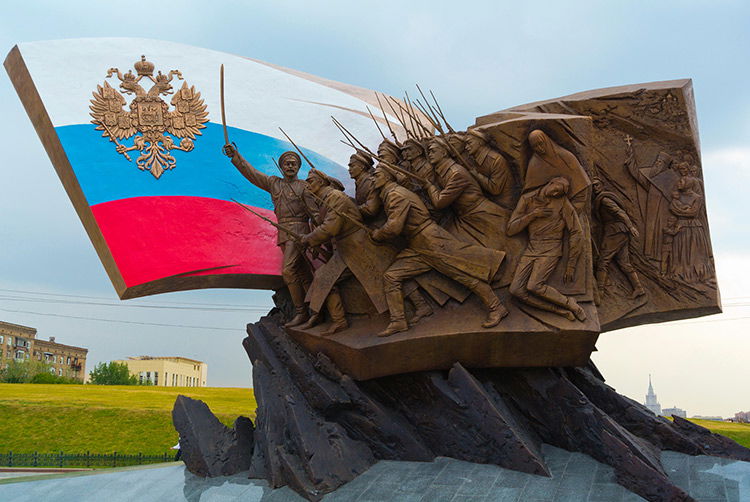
168	371
66	360
678	412
15	341
20	343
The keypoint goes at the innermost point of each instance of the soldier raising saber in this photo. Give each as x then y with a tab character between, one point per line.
294	207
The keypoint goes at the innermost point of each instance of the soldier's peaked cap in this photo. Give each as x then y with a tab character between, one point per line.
440	141
412	142
329	180
390	146
284	155
361	157
479	134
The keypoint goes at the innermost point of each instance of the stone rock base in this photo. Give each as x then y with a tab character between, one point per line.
208	447
317	428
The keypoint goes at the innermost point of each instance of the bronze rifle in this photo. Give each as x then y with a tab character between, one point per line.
295	236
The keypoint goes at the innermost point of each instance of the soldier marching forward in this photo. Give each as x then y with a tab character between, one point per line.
355	254
430	247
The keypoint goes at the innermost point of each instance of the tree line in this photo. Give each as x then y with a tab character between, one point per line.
31	371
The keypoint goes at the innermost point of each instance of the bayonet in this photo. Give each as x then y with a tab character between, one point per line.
295	236
297	148
343	215
388	122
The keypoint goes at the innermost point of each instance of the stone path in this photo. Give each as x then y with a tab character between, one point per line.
576	478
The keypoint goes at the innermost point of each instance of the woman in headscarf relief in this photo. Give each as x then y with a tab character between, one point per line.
691	251
549	160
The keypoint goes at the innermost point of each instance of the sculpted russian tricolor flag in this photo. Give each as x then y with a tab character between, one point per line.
133	128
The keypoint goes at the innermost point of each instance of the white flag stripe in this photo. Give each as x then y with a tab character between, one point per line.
259	98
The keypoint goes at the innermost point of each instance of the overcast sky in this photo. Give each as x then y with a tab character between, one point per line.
479	57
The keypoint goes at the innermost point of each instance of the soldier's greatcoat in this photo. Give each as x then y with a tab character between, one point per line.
408	216
475	218
494	176
366	259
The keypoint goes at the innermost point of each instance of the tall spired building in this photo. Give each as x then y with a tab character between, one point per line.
651	402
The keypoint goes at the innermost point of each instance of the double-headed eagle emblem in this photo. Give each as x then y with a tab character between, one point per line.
149	118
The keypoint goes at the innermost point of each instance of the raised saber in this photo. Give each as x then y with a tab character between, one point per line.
223	111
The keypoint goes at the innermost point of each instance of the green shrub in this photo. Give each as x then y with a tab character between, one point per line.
31	371
112	373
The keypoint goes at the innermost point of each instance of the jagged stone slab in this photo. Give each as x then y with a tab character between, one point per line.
632	415
318	428
294	444
564	417
209	448
711	443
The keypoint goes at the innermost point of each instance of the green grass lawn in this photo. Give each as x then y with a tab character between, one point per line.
135	419
103	418
732	430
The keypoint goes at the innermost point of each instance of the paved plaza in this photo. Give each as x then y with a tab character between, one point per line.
576	478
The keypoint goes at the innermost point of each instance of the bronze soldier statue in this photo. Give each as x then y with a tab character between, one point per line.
546	212
415	160
475	218
365	195
389	151
492	171
617	229
430	247
294	207
457	141
355	254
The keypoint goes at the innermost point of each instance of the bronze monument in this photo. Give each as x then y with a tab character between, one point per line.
448	305
516	243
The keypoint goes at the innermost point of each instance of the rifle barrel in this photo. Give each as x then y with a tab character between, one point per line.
278	226
297	148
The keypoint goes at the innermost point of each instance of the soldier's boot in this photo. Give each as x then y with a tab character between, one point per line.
395	301
422	309
338	317
576	310
601	278
597	295
301	314
497	310
636	283
315	319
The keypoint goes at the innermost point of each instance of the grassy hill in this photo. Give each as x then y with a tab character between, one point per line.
103	418
135	419
732	430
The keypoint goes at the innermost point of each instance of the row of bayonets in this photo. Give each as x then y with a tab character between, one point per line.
418	131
